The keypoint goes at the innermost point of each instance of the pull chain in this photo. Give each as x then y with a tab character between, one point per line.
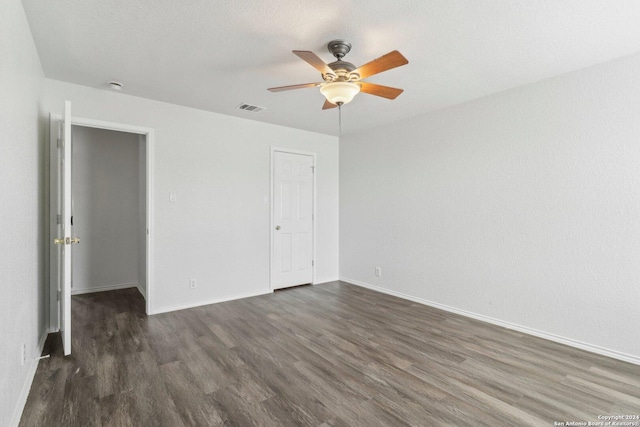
340	118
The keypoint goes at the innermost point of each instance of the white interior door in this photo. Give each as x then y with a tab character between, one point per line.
55	226
292	250
63	239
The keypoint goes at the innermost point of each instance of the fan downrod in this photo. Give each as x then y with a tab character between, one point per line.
339	48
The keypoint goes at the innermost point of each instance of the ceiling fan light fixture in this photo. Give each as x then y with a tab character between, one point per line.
342	80
340	93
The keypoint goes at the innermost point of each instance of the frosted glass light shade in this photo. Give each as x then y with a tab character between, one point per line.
339	92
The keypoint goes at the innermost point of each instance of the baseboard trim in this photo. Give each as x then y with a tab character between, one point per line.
142	291
216	301
26	386
207	302
104	288
526	330
323	281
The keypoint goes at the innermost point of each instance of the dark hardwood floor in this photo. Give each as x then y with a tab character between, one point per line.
325	355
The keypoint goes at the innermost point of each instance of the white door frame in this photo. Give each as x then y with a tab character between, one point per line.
54	319
313	202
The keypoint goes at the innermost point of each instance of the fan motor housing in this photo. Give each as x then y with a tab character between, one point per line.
342	67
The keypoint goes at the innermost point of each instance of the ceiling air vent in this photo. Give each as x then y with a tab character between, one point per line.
249	107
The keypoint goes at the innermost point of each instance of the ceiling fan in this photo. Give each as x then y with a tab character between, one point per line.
342	80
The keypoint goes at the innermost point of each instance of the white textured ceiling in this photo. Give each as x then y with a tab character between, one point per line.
216	54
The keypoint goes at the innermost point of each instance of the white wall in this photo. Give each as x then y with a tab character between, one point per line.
218	229
523	206
22	293
105	208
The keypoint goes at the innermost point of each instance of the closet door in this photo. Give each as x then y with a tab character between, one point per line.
292	252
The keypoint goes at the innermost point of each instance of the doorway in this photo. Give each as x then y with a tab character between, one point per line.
108	210
292	218
138	241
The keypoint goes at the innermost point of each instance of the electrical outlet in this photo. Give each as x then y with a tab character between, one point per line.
378	271
24	353
192	283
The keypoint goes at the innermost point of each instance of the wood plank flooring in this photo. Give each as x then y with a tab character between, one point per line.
326	355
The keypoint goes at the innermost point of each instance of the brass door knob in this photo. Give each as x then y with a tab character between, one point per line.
66	241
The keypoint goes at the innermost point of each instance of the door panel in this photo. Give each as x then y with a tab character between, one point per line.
292	250
55	227
63	239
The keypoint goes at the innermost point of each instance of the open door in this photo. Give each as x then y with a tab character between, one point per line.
63	239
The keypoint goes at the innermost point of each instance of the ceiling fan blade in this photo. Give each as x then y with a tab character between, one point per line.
302	86
386	62
379	90
327	105
313	60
